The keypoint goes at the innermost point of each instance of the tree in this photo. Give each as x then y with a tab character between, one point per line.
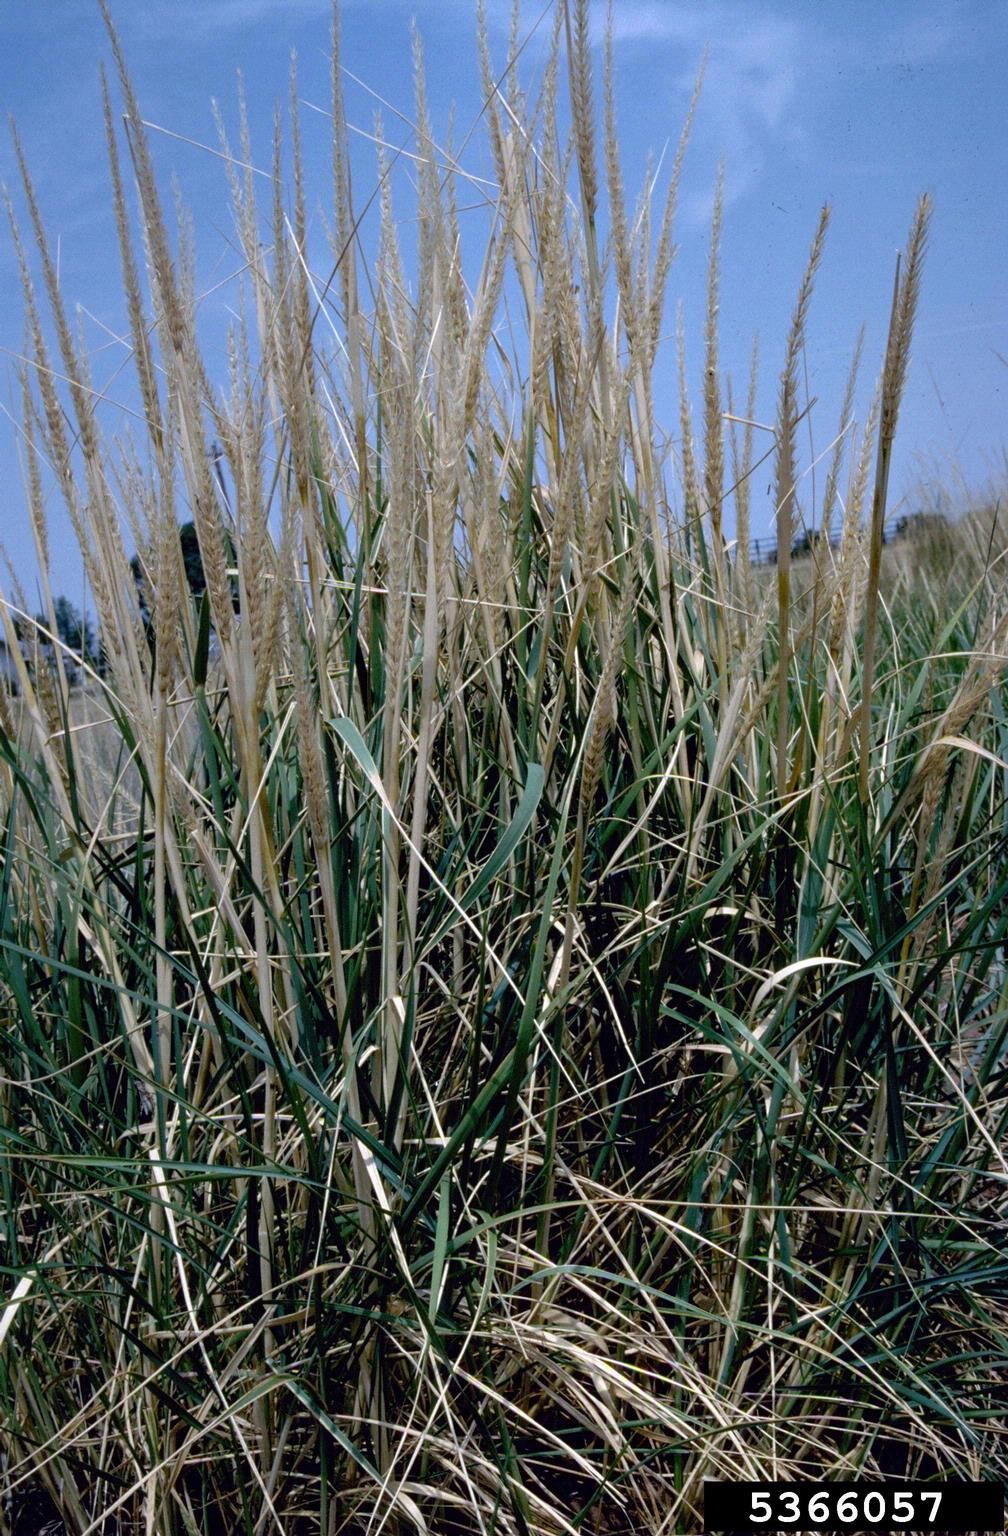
192	561
76	639
74	629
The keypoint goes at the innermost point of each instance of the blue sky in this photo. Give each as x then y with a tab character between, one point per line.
846	101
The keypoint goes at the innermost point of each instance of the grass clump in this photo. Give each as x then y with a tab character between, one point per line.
511	1022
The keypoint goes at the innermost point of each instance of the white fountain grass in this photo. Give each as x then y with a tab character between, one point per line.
527	1036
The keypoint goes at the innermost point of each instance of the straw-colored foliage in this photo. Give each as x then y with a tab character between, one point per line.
503	1001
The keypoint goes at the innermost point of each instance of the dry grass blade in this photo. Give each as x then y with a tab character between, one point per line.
904	308
784	497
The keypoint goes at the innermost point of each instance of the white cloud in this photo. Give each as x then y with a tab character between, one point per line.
204	18
750	108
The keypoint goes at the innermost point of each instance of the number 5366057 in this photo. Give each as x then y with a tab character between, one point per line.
875	1506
